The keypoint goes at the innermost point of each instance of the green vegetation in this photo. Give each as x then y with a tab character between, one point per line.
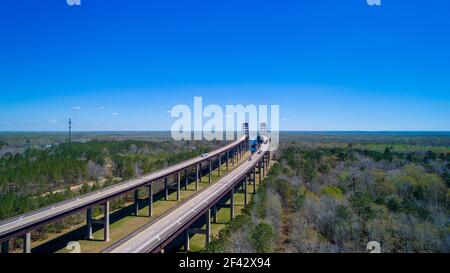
325	197
39	177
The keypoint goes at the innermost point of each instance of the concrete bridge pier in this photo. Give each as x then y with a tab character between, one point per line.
136	202
231	204
214	213
232	157
90	221
197	178
187	235
166	189
263	161
259	172
206	232
89	224
27	242
220	164
254	180
186	179
106	221
179	187
150	199
210	170
245	191
208	227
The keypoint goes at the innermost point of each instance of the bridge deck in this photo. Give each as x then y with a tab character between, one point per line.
23	223
150	237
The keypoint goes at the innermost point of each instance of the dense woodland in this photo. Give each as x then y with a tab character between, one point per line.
40	176
337	197
326	193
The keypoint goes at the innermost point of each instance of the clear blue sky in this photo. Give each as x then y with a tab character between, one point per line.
122	64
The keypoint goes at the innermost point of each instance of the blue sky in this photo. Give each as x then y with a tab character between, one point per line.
122	64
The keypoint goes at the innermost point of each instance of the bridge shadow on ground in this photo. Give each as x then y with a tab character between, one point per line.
60	242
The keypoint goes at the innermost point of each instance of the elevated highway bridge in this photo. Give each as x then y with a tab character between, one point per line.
155	236
22	225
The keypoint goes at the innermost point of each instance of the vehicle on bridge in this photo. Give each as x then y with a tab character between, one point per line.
253	146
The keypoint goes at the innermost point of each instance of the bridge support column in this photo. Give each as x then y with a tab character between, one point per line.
89	235
5	247
220	164
232	157
187	235
254	180
150	199
265	160
179	187
27	242
208	227
228	160
259	172
264	166
206	232
187	179
197	178
215	214
245	191
232	204
106	222
210	170
136	202
166	189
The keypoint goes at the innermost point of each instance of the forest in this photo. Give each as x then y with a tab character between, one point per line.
41	176
338	194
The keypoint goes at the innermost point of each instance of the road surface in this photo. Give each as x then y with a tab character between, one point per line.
26	222
151	236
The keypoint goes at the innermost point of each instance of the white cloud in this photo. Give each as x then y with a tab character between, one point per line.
101	108
76	108
115	114
53	120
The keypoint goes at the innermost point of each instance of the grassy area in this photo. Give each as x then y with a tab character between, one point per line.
123	222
